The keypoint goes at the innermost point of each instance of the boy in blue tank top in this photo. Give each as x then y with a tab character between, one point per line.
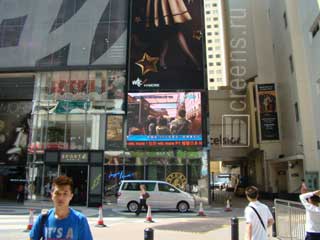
61	222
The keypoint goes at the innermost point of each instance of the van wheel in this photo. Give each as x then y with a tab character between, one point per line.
183	207
132	206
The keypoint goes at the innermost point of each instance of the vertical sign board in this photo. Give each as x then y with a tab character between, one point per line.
114	133
96	179
165	46
269	129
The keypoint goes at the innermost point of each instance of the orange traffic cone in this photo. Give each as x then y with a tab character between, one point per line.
100	220
30	224
228	207
201	212
149	217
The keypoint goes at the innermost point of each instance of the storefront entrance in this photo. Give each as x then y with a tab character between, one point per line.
79	175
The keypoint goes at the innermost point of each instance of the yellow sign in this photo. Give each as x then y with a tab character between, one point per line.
177	179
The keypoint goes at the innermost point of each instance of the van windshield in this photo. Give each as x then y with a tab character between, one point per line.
135	186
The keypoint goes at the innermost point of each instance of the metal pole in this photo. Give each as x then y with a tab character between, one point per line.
274	226
234	228
148	234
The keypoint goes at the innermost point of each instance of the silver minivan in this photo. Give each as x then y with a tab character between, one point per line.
162	196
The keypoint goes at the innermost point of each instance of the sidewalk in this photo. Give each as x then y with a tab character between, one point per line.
135	231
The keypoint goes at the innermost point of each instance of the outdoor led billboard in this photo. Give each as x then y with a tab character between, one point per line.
163	119
165	46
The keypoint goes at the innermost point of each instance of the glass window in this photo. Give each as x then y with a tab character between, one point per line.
150	186
166	188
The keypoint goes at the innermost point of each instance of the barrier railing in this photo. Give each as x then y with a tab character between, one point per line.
290	219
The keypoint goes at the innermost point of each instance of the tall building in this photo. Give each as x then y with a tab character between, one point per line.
274	79
216	48
64	104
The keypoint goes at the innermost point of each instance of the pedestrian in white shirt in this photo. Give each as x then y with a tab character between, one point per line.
311	201
258	216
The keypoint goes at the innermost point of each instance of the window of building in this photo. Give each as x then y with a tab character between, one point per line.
210	49
209	40
208	12
218	56
218	63
209	26
314	29
211	79
217	40
209	33
216	33
318	86
211	64
291	64
215	19
214	5
216	25
68	105
211	72
210	56
296	110
218	48
285	20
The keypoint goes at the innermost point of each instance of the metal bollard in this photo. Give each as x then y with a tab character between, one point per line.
274	226
148	234
234	228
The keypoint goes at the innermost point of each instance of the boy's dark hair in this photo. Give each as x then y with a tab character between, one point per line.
63	181
252	192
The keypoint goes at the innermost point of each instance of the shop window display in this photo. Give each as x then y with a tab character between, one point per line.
69	106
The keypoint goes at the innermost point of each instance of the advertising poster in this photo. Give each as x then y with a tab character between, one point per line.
165	45
269	129
164	119
114	135
15	120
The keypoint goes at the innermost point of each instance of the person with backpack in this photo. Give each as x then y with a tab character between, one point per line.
61	222
144	195
258	216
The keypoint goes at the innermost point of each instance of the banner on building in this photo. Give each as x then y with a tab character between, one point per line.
269	127
114	132
15	120
165	45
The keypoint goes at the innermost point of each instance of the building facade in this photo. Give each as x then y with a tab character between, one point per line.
64	85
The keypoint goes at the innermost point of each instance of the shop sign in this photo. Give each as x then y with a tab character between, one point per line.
74	157
67	106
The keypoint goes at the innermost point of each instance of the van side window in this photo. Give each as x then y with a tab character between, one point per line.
150	187
166	188
131	186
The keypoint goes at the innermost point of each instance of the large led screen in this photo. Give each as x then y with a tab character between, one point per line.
165	45
164	119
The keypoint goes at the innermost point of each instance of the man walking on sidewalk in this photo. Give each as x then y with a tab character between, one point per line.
258	216
311	201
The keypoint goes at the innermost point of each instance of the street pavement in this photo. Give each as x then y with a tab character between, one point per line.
121	224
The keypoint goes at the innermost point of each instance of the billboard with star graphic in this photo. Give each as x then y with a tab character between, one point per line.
165	46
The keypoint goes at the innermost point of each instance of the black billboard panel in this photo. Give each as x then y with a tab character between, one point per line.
165	45
164	119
